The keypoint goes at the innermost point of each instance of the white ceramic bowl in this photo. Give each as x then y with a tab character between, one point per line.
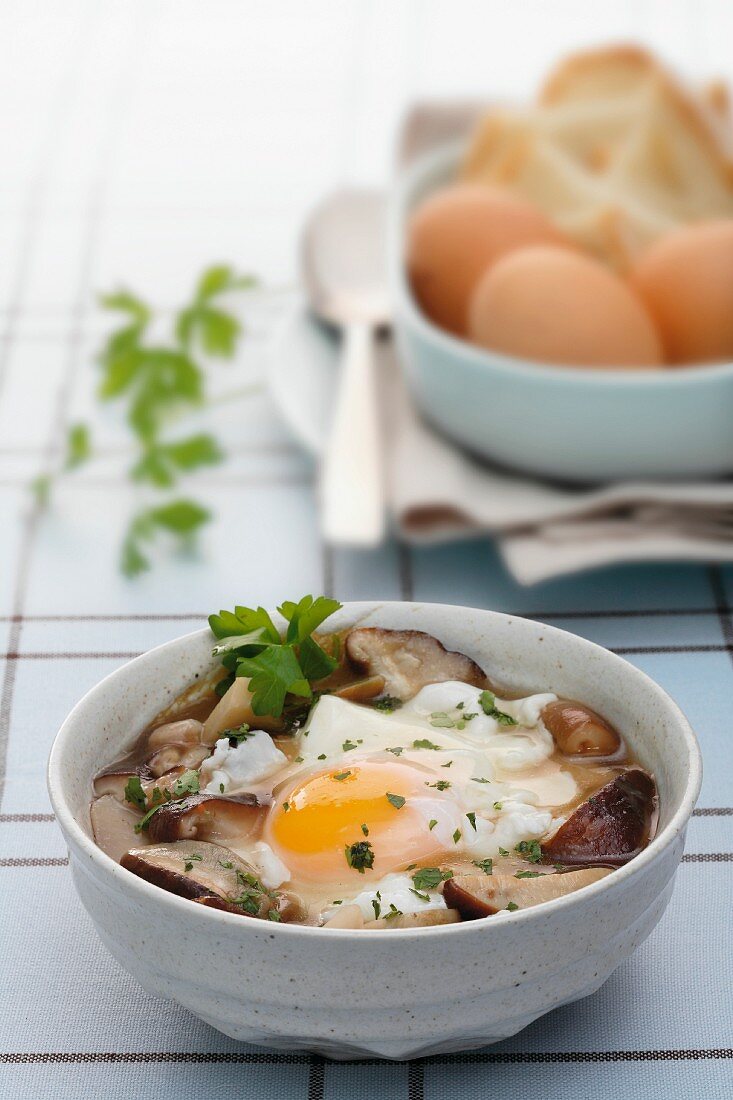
398	993
576	424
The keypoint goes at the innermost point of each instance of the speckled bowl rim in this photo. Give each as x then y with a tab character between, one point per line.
482	360
529	917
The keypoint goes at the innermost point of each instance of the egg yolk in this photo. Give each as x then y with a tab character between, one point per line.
311	826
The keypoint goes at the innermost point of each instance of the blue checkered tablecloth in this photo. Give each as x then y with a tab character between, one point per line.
141	141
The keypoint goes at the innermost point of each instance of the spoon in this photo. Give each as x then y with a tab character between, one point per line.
343	260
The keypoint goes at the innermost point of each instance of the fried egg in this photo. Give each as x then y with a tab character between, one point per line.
438	778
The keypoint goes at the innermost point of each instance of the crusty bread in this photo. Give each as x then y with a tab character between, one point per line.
617	151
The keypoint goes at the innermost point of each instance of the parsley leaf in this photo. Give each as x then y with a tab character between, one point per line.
427	878
387	703
487	699
423	743
238	735
486	865
78	446
360	855
530	849
134	792
273	674
396	800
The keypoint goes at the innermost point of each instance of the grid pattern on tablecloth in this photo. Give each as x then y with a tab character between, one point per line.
103	186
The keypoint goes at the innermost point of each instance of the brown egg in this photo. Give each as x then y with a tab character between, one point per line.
455	235
686	281
556	306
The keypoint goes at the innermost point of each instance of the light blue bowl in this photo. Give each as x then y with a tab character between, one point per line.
575	424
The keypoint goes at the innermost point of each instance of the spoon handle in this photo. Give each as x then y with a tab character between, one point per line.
352	490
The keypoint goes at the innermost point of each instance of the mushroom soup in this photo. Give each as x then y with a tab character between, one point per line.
368	778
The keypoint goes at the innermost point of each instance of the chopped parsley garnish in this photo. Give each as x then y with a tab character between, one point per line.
393	912
457	836
298	760
221	788
503	852
423	743
487	699
377	906
441	785
387	703
322	756
273	914
186	784
486	865
442	720
238	735
427	878
498	805
472	820
348	746
227	863
418	894
432	823
251	893
395	800
286	807
250	645
530	849
397	751
528	874
365	830
188	866
134	792
360	856
447	765
512	906
340	776
479	779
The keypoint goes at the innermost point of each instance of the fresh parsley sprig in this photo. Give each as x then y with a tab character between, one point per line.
157	382
251	645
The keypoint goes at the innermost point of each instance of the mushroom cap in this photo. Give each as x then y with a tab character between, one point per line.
610	827
408	660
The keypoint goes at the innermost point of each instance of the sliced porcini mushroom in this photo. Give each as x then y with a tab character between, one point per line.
186	731
579	731
361	691
347	916
426	918
408	660
610	827
168	757
114	780
206	817
477	896
213	876
113	825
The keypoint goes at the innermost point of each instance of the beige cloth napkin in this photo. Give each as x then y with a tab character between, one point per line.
438	493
